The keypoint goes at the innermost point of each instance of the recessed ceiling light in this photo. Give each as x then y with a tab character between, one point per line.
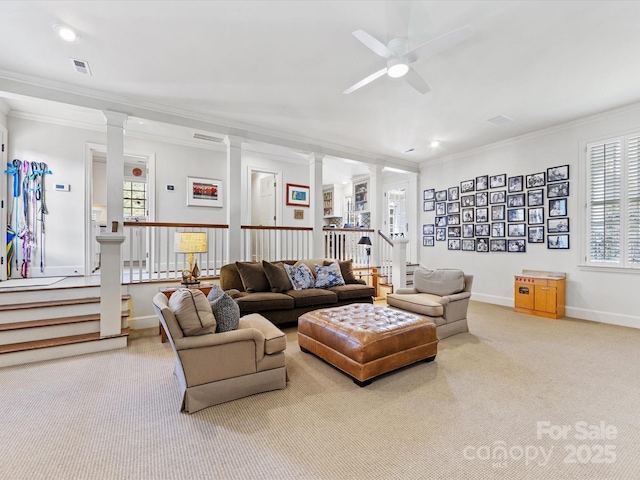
500	119
66	33
435	143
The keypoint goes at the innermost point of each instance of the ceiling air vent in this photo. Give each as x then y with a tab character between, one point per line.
500	119
81	66
208	138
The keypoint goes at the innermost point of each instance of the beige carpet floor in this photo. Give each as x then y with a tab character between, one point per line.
474	413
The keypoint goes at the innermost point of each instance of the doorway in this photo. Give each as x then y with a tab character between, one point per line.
396	212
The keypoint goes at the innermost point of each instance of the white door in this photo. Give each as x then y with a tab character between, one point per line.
268	200
3	207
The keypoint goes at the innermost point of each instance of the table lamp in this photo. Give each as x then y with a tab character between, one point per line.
190	242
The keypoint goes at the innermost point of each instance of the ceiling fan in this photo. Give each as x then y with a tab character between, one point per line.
399	57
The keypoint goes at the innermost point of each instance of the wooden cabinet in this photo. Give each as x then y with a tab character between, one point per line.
540	293
361	191
327	197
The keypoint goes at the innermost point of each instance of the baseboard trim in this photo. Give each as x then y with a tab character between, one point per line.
140	323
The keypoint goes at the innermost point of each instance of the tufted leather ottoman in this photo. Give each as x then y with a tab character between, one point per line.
365	340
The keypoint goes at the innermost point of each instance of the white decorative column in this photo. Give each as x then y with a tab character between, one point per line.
115	168
233	196
399	263
376	207
110	284
316	206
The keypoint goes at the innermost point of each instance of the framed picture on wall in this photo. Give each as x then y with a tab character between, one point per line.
298	195
516	230
499	245
497	212
428	229
497	181
558	207
558	225
536	235
453	244
482	199
498	197
535	198
453	219
467	230
482	245
467	186
515	184
515	215
441	208
467	215
560	189
482	182
429	194
428	205
555	174
441	196
468	200
453	193
441	234
427	242
454	232
453	207
482	215
482	229
536	216
518	246
469	245
515	200
441	221
536	180
497	229
204	192
558	242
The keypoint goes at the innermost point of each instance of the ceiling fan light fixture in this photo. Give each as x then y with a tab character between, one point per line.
397	68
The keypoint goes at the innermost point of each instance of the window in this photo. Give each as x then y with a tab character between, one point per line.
135	199
614	202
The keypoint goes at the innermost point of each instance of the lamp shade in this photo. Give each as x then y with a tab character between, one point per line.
190	242
364	241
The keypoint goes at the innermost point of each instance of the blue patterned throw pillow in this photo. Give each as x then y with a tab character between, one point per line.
329	276
225	310
300	276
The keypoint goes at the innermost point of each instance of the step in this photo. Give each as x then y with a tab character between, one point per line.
33	311
29	352
13	296
20	332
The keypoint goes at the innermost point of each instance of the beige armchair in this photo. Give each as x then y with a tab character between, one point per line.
441	294
219	367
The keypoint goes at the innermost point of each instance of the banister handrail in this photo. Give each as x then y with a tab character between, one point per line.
171	224
332	229
386	239
264	227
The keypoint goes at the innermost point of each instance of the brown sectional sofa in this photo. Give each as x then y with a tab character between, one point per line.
286	306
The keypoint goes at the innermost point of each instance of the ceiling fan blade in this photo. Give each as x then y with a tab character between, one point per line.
416	81
373	43
439	44
365	81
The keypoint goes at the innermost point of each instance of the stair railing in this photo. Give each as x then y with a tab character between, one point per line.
385	257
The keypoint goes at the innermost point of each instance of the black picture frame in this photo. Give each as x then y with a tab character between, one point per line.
535	216
453	219
497	212
468	245
559	189
482	229
482	245
467	186
482	215
555	174
497	229
499	196
441	221
515	215
453	244
428	205
453	193
428	229
515	200
453	207
441	196
535	234
535	198
468	200
441	234
558	207
517	246
535	180
515	184
558	225
482	183
517	230
467	215
468	230
498	245
498	181
441	208
429	194
454	232
428	241
558	242
482	199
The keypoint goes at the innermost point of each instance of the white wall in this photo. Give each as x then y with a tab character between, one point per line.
592	294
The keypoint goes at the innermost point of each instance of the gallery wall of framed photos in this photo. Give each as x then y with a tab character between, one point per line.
500	213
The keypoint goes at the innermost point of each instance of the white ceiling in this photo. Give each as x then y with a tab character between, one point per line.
281	66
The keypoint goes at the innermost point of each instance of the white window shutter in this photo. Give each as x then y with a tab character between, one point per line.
633	195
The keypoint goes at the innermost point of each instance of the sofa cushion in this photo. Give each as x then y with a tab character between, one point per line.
225	310
346	268
438	282
277	276
192	311
416	303
260	301
328	276
311	263
253	277
313	296
300	276
349	292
